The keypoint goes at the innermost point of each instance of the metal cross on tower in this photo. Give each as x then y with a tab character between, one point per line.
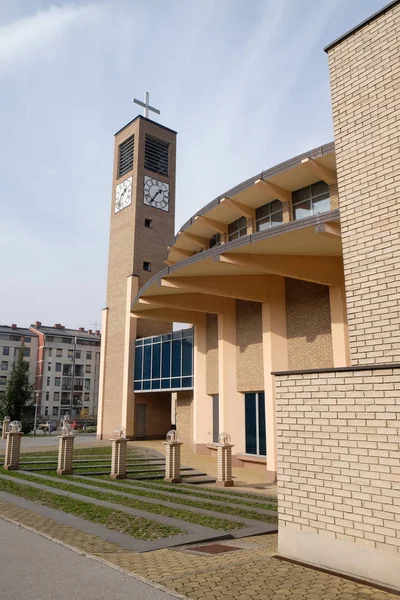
146	105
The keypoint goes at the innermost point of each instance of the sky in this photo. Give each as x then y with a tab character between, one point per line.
245	84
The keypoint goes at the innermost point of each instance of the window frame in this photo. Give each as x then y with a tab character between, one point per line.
237	229
271	213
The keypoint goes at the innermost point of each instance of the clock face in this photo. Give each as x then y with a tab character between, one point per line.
123	194
156	193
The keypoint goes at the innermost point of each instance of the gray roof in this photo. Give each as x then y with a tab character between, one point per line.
16	330
66	332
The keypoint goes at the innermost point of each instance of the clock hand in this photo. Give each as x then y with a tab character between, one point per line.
156	194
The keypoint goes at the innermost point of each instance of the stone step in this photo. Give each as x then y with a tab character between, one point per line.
198	479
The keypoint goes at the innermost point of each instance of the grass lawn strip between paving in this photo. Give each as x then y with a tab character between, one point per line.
184	515
139	528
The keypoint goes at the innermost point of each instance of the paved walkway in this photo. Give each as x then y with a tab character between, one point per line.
39	569
251	573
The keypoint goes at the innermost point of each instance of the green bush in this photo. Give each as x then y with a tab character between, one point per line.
27	427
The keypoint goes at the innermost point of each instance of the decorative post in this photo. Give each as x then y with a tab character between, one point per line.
13	446
224	456
118	454
6	425
65	449
173	458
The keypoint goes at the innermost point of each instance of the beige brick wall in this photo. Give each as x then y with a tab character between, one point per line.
212	369
334	196
365	83
338	436
249	354
308	325
158	413
184	416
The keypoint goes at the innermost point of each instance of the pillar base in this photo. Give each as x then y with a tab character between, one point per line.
173	479
224	483
65	472
11	467
118	476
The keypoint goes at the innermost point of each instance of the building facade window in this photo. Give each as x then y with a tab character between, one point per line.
47	396
87	384
88	355
237	229
77	353
311	200
6	351
47	380
70	353
27	352
49	366
148	223
3	379
215	240
58	366
146	265
255	425
88	369
46	411
4	365
55	411
164	362
59	352
57	381
56	397
269	215
215	415
27	339
50	351
86	397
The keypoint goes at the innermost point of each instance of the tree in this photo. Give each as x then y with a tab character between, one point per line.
84	413
19	390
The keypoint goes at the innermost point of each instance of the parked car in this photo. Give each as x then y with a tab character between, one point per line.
47	426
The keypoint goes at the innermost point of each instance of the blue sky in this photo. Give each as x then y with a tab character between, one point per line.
244	82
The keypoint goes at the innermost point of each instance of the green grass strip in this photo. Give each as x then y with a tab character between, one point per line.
184	515
136	527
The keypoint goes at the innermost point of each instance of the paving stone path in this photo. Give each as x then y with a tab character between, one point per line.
251	573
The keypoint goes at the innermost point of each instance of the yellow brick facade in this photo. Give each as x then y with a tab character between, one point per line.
212	354
249	353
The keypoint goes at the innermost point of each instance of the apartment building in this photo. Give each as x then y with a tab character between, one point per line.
12	338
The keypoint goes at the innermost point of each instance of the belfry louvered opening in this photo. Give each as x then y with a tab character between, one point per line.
156	155
125	156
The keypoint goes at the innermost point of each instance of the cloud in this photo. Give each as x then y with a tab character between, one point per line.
21	38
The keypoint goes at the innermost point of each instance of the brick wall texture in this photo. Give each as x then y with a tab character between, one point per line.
184	416
365	82
338	436
308	325
212	354
249	353
158	416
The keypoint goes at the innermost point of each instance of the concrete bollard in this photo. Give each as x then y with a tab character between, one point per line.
6	425
118	454
65	454
172	458
13	449
224	458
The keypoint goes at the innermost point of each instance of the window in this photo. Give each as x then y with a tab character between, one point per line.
17	352
58	366
6	351
255	429
311	200
46	411
70	353
66	340
4	365
269	215
148	223
59	352
49	366
56	397
48	381
50	352
215	413
88	369
55	411
57	381
146	265
237	229
3	379
47	396
77	353
49	338
87	384
86	397
215	240
88	356
156	155
27	339
125	156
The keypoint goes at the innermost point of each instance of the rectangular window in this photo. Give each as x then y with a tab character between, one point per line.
77	353
59	352
27	339
88	356
269	215
255	425
70	353
156	155
6	351
237	229
49	366
311	200
55	411
47	380
47	396
49	338
3	379
4	365
215	413
58	366
86	397
215	240
57	381
88	369
125	156
46	411
56	397
148	223
146	265
50	351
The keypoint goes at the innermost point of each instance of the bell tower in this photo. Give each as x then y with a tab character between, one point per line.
141	227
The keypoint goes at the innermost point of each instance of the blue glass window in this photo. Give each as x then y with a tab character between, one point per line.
176	358
138	362
187	356
255	426
147	362
166	360
156	363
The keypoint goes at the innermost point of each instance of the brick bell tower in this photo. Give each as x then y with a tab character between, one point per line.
141	227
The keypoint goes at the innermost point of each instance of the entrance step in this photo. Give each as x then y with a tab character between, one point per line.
188	474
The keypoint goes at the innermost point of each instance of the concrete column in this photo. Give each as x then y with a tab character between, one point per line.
224	458
128	397
103	350
275	358
6	424
340	333
118	458
231	402
65	454
202	404
13	448
173	462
